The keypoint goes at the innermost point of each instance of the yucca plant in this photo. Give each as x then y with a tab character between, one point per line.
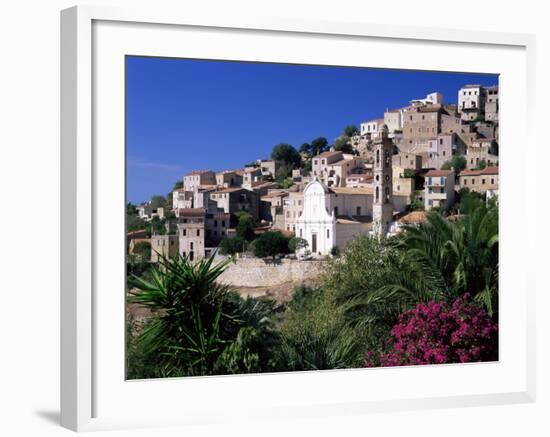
185	333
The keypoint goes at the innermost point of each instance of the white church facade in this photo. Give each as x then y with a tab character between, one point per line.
332	217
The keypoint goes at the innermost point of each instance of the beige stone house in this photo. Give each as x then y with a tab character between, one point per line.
439	189
372	128
164	245
293	205
200	231
229	178
479	180
481	149
406	160
275	199
332	168
196	178
234	200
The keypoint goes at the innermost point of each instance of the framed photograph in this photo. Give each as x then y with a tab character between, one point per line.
278	218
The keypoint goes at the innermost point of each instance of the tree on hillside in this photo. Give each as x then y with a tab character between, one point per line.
343	144
351	130
246	226
286	154
270	244
158	201
232	245
143	251
319	145
457	162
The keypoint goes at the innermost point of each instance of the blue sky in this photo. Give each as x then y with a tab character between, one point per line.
193	114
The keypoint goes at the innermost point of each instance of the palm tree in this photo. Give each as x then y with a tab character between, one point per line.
442	259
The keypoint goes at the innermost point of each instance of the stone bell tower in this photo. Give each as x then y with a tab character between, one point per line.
382	206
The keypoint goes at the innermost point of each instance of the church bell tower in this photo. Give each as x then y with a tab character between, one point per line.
382	207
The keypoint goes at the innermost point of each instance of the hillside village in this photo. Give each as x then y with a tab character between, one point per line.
375	178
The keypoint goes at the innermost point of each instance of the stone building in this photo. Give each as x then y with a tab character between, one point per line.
479	180
439	189
200	231
229	178
423	123
164	245
372	128
234	200
481	149
293	205
471	101
196	178
251	176
491	103
182	199
268	167
383	192
332	168
275	199
406	160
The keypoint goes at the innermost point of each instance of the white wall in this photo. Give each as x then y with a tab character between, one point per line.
29	137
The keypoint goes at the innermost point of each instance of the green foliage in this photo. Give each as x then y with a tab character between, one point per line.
314	335
158	226
357	279
142	250
343	144
297	243
246	226
468	201
158	201
286	154
196	320
319	145
451	258
481	165
416	205
284	171
177	185
350	130
270	244
133	221
408	173
335	251
232	245
457	162
307	166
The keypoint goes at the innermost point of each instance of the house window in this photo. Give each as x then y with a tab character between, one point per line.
215	223
223	223
482	181
492	181
335	210
465	182
198	232
473	181
300	232
185	232
328	233
358	210
191	245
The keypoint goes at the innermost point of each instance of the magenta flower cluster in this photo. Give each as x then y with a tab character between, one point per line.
436	333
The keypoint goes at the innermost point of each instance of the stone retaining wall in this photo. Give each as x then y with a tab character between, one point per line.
255	272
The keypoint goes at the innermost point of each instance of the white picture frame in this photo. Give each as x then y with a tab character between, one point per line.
91	157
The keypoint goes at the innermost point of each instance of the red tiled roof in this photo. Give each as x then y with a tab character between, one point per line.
328	154
414	217
486	170
191	212
439	173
